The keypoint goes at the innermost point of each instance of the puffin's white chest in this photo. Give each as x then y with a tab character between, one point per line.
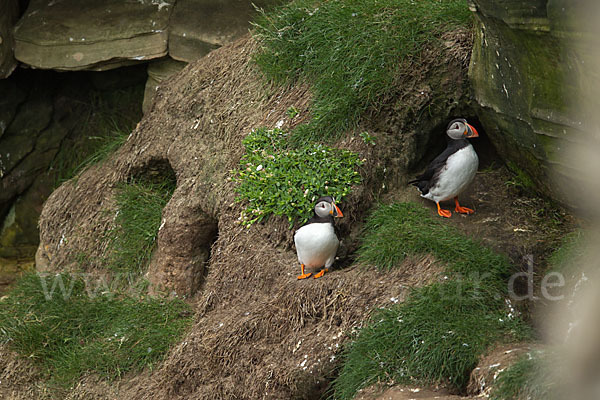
457	174
316	245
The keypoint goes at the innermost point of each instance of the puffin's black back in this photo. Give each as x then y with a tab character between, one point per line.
428	178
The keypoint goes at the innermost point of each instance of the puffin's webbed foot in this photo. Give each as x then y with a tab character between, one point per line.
442	212
304	276
460	209
320	274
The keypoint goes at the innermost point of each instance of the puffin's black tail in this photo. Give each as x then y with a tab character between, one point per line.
423	186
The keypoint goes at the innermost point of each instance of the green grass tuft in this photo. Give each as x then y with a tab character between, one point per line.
531	378
70	327
349	50
439	332
276	178
139	214
396	231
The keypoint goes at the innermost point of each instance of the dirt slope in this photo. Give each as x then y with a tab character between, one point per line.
258	332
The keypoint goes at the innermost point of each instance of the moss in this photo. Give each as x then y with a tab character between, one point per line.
520	177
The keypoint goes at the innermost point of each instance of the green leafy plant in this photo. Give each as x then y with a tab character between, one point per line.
71	327
439	332
367	138
138	218
349	50
276	178
292	112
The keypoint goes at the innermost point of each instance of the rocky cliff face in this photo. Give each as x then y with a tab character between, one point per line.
9	11
527	71
48	123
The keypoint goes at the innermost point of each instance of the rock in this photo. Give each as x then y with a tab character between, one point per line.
48	136
21	135
120	77
158	71
199	26
9	12
525	76
12	97
19	235
102	35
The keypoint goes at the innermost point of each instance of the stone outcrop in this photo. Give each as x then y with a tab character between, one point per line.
48	123
199	26
64	35
9	12
527	72
100	35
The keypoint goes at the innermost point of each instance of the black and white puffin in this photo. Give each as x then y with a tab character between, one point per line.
453	170
316	241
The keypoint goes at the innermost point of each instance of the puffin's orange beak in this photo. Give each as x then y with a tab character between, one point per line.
471	132
335	211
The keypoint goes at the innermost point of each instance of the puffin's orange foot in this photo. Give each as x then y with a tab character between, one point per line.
463	210
320	274
303	276
442	212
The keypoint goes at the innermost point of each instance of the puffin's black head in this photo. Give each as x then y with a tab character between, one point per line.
325	206
460	129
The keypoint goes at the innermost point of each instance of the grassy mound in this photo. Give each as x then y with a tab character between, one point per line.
439	332
276	178
349	50
71	325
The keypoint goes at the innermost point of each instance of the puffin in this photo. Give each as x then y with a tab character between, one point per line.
316	241
453	170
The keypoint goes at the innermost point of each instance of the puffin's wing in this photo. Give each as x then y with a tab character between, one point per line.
423	181
436	165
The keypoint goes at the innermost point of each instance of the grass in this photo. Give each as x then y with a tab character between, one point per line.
396	231
530	377
69	328
439	332
278	179
139	214
569	256
350	51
